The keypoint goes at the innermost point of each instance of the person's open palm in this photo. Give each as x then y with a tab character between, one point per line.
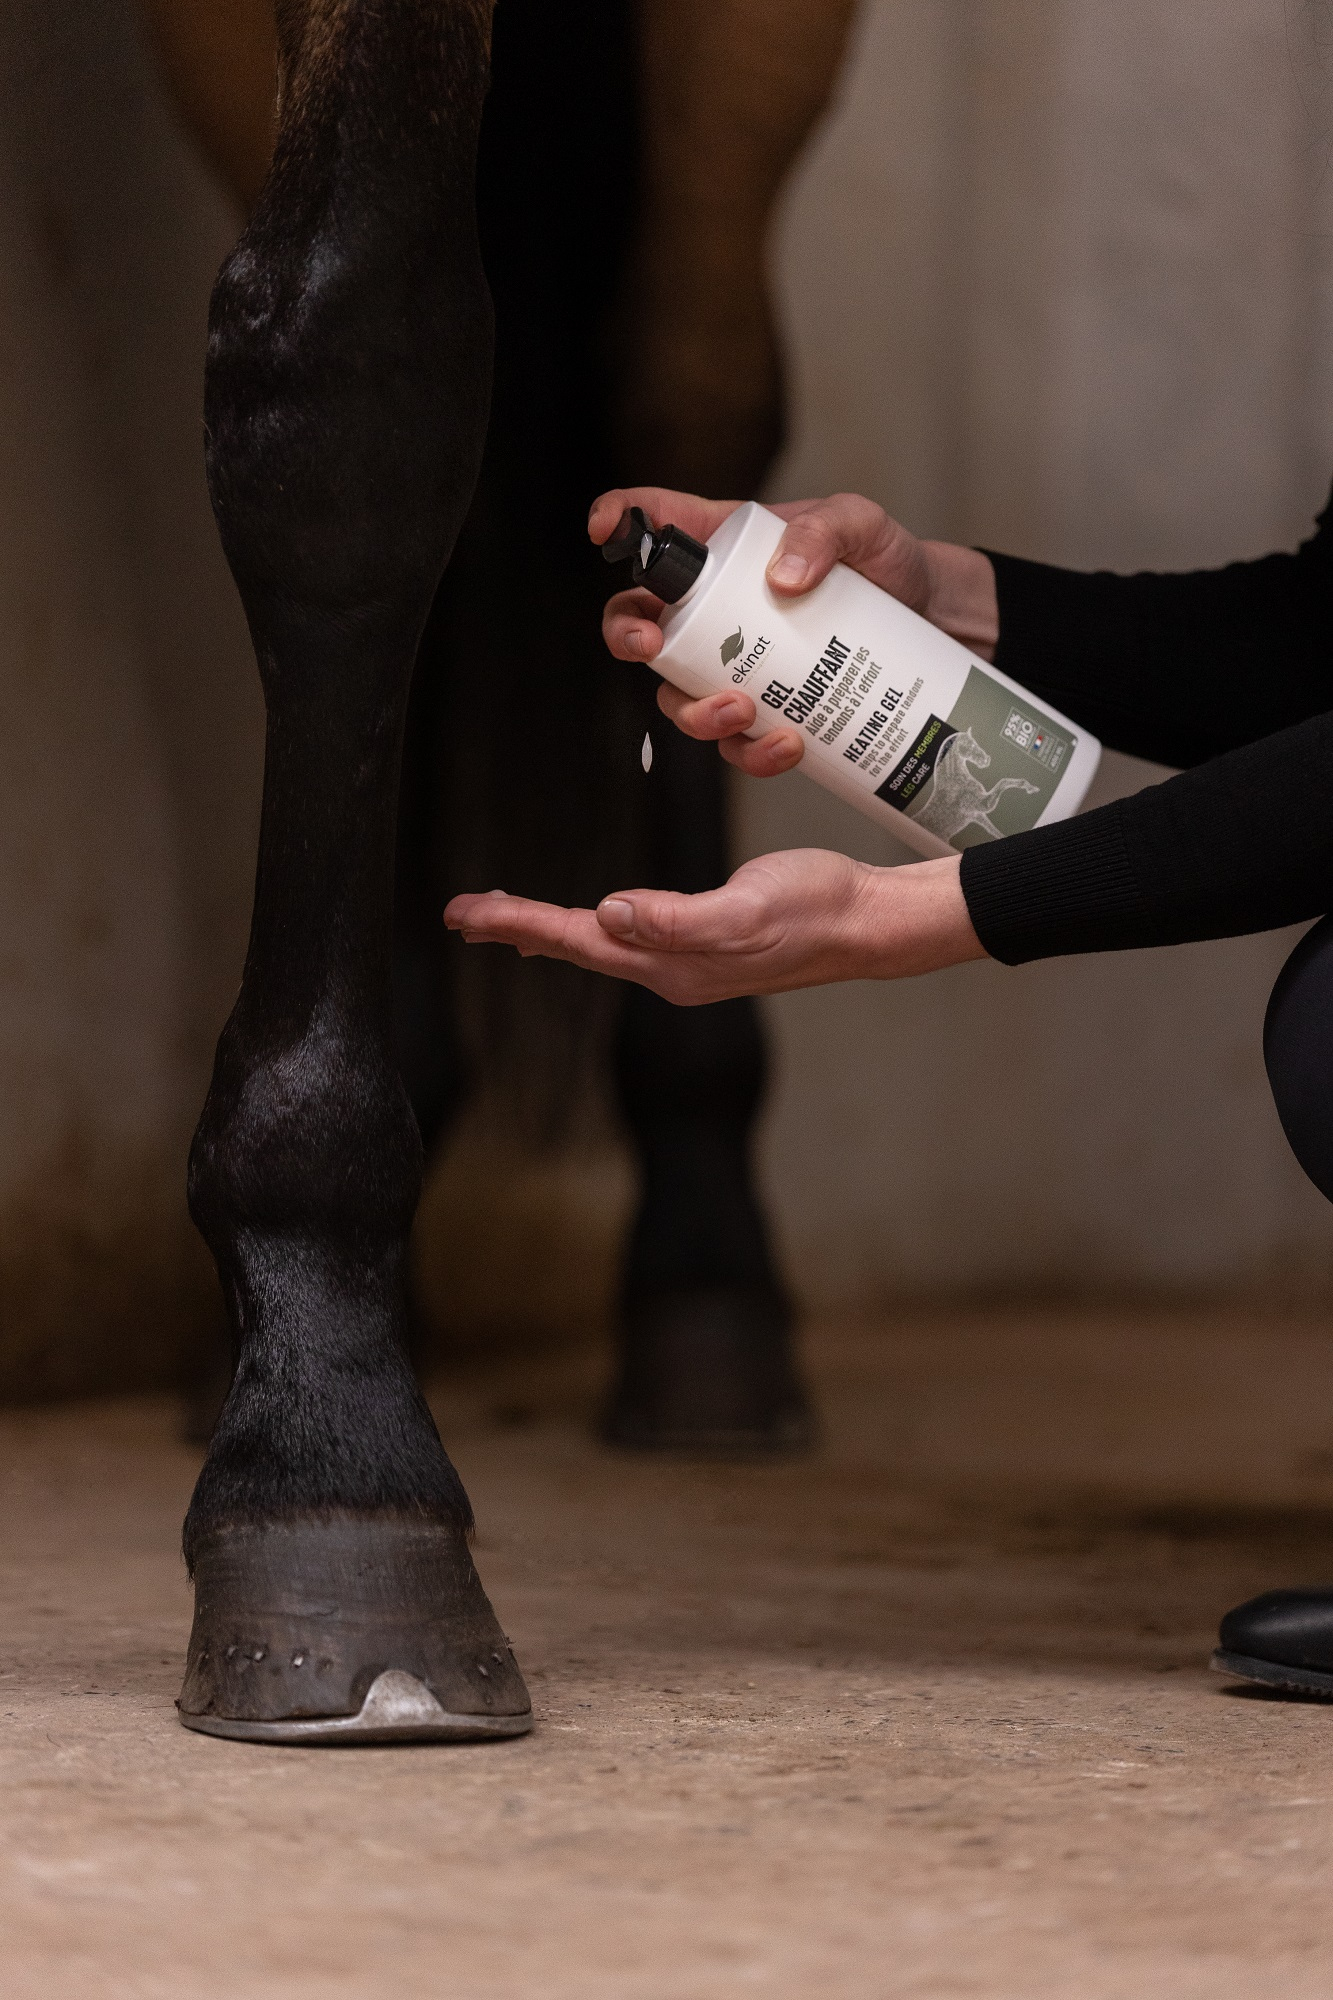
801	918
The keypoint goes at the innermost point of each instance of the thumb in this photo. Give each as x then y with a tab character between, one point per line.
805	555
662	920
844	528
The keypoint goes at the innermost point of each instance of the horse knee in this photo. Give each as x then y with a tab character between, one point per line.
348	376
340	463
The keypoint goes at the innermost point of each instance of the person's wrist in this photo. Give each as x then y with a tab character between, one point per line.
962	598
913	919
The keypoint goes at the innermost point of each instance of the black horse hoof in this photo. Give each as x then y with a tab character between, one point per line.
709	1370
350	1630
1282	1640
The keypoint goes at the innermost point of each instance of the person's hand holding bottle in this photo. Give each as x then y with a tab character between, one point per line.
951	586
802	918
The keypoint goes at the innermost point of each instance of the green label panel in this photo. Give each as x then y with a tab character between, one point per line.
990	769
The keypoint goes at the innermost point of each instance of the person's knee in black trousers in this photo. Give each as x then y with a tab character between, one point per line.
1285	1638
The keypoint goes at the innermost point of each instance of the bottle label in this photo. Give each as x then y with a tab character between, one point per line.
898	718
988	768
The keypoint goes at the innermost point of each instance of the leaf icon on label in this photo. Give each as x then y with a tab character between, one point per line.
733	647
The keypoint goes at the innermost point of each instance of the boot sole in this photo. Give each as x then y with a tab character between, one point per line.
1271	1673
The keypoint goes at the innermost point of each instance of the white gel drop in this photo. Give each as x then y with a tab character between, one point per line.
646	754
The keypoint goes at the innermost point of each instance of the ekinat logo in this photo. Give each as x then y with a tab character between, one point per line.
733	647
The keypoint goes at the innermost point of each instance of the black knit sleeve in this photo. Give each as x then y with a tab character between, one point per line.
1175	668
1243	843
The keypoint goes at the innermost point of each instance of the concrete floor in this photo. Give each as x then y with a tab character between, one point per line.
926	1714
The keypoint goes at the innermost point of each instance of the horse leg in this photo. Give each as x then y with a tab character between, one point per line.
218	60
347	380
705	1321
730	89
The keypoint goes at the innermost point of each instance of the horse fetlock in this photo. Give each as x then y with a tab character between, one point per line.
323	1415
307	1140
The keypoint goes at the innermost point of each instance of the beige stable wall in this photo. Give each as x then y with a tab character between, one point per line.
1054	275
1057	277
129	745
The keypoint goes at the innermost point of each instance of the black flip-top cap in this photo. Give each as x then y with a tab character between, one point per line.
666	561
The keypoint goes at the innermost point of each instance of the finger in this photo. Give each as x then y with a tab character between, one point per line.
708	719
697	516
661	920
630	627
577	937
495	910
844	528
722	719
545	930
765	756
688	979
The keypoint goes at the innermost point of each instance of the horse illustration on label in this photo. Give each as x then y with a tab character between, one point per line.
957	798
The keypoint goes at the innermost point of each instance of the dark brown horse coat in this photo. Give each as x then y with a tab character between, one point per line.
348	384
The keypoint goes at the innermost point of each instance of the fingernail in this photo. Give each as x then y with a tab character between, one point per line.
730	712
613	915
634	643
790	570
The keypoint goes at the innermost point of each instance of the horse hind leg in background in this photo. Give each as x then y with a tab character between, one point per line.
730	90
621	357
347	381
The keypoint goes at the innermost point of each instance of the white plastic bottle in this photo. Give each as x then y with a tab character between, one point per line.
899	719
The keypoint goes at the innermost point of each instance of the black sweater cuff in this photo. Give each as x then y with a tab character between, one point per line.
1176	669
1224	671
1065	888
1242	843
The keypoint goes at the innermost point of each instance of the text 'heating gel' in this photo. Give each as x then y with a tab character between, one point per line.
899	719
